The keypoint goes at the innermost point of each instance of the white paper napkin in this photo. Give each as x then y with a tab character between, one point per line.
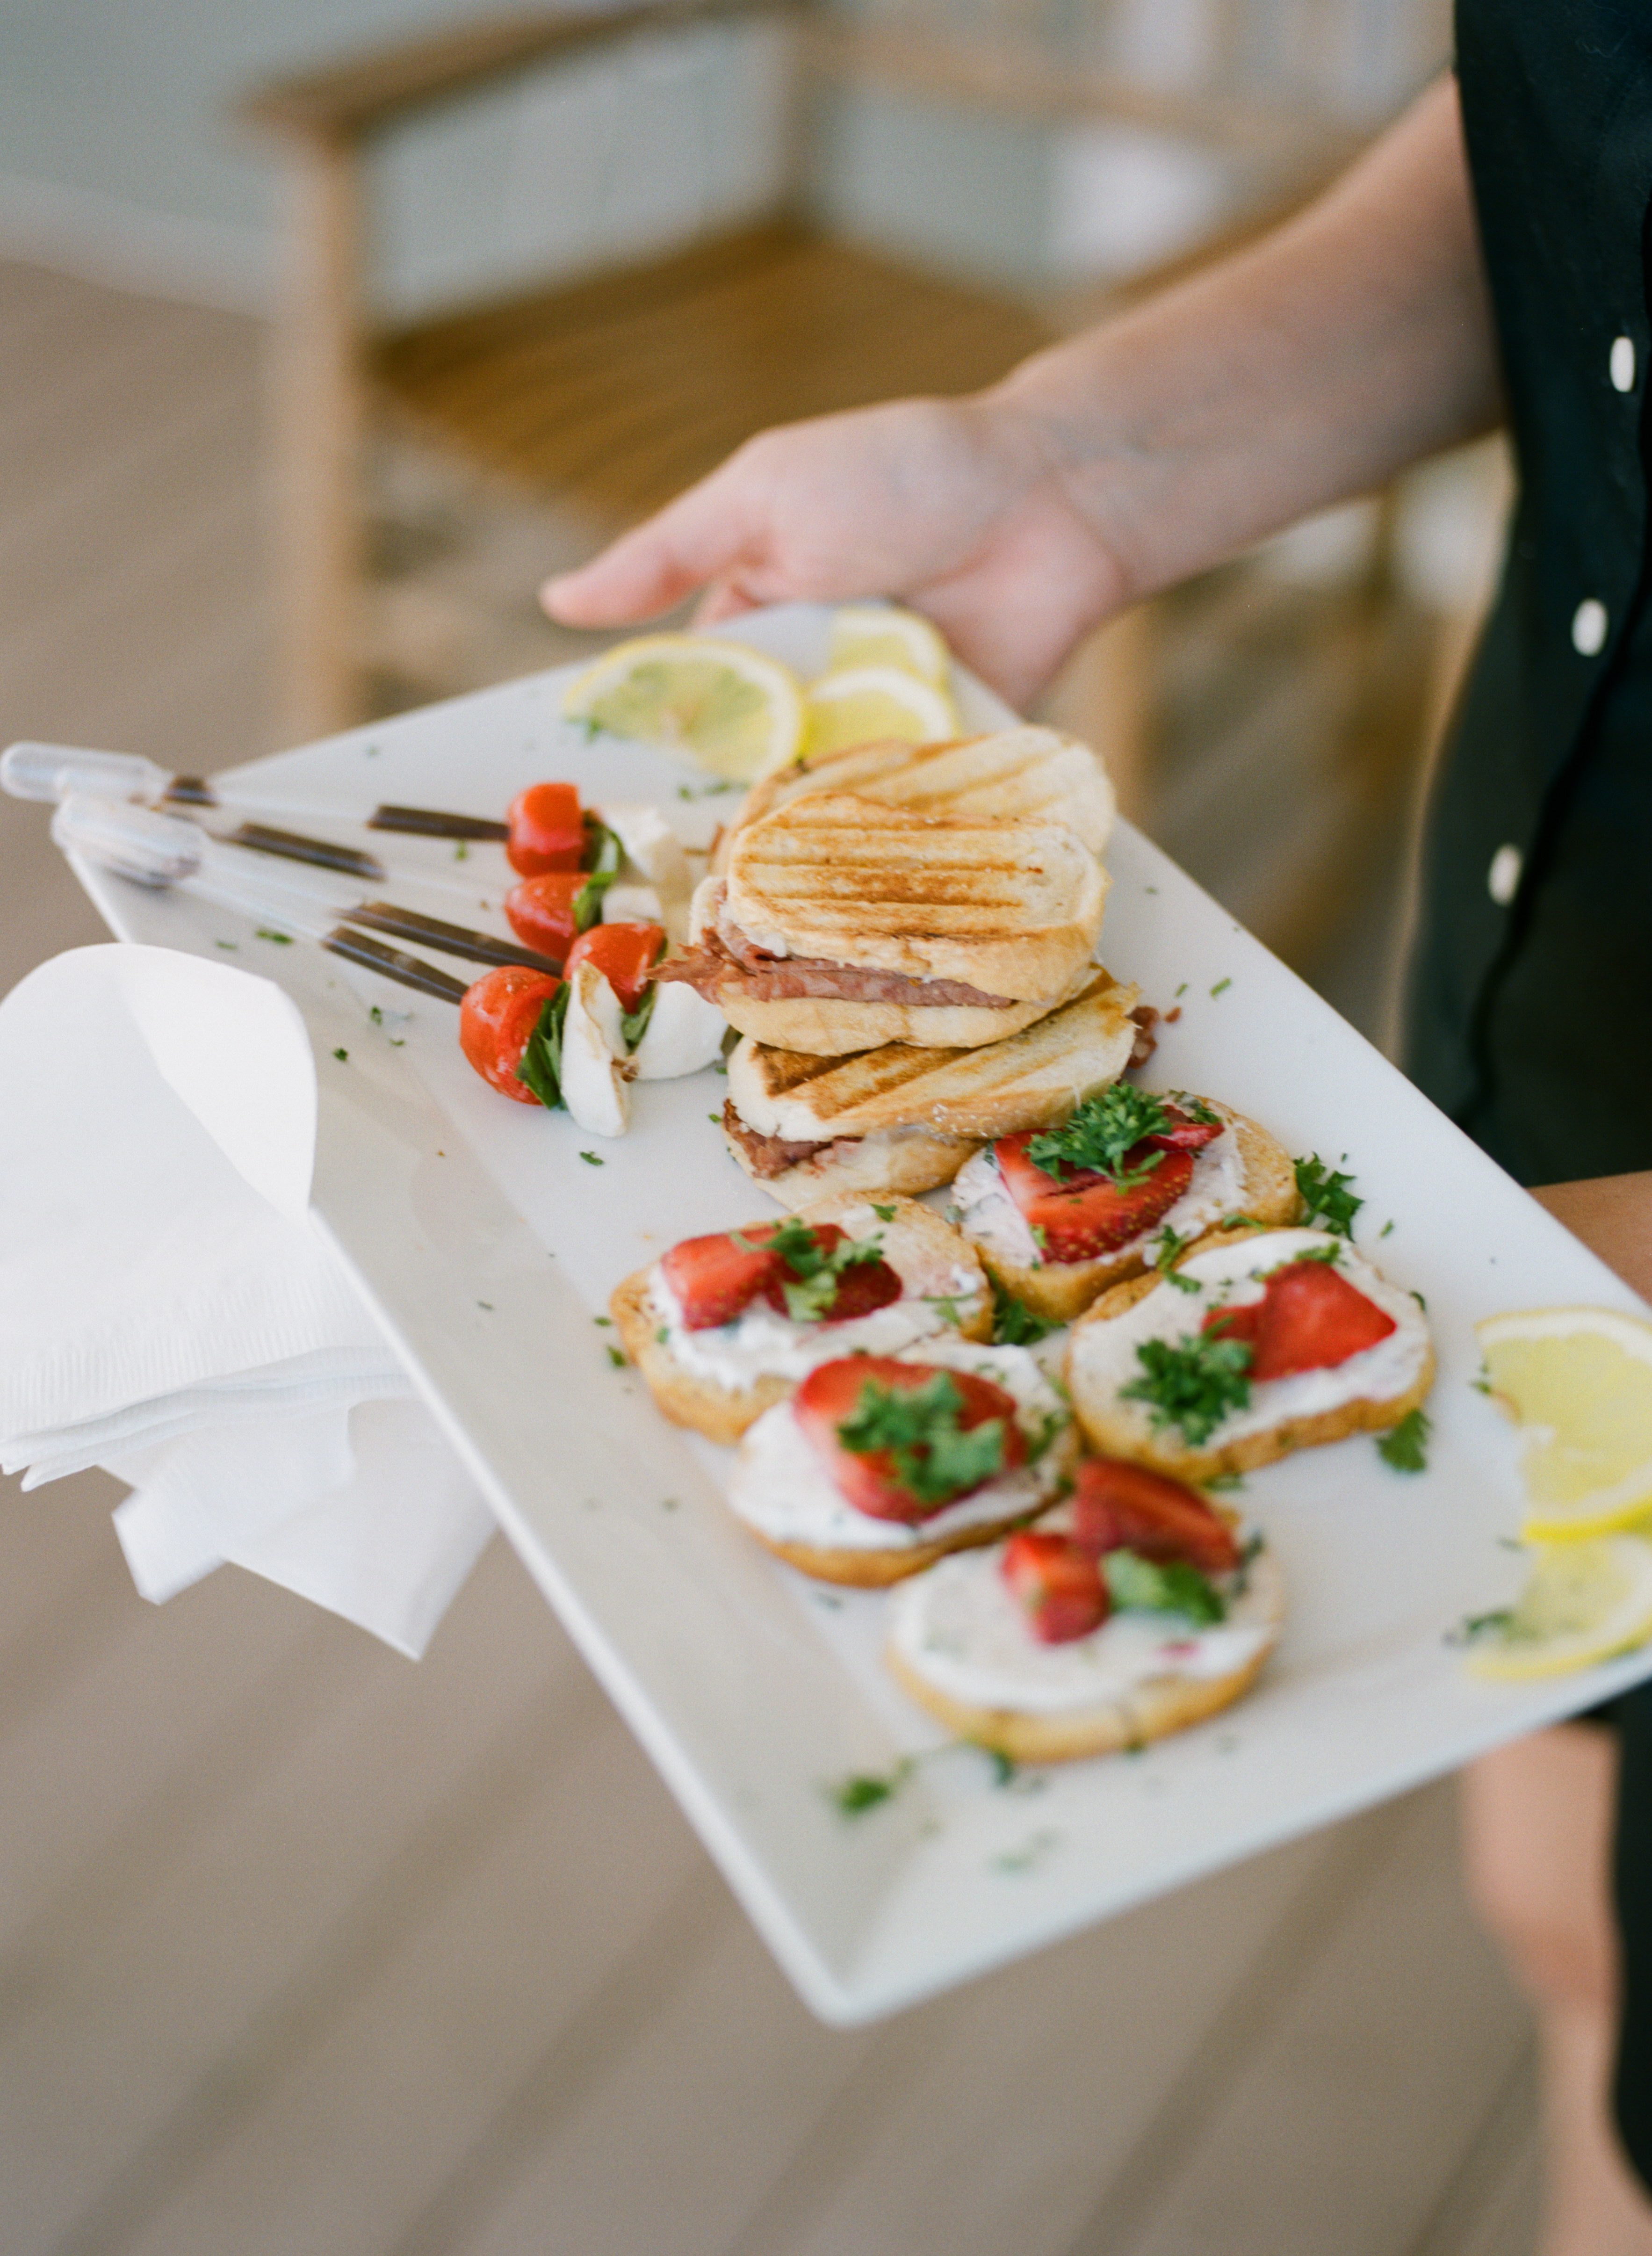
167	1311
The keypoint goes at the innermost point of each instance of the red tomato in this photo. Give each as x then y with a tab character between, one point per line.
1058	1585
547	829
1124	1507
496	1020
540	910
869	1479
624	954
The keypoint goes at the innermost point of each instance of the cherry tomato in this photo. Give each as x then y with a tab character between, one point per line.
541	911
496	1020
624	954
547	829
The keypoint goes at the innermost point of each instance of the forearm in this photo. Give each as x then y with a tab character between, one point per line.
1351	342
1612	1215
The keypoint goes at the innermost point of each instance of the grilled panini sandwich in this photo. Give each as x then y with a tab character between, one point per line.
841	924
905	1118
1025	772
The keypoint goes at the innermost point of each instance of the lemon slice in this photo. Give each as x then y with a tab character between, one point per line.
1580	1379
869	704
1584	1601
730	709
878	634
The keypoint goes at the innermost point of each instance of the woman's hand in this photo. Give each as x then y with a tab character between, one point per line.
949	505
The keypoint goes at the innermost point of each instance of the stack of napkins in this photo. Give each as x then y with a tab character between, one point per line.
166	1310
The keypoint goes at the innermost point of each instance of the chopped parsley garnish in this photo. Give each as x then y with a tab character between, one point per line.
268	932
884	1213
343	1056
811	1289
616	1359
1405	1445
1137	1585
591	1159
1193	1382
1103	1129
1014	1323
1220	988
864	1790
539	1067
1325	1194
933	1458
1472	1628
377	1015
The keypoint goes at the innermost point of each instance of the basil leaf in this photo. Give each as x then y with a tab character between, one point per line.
540	1065
633	1024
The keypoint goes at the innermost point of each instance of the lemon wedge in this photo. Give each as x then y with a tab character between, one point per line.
1580	1380
1583	1603
878	634
870	704
732	710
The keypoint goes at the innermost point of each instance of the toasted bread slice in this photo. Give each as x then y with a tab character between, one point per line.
1150	1708
787	1500
1373	1390
1021	771
1060	1291
1009	907
906	1117
929	1257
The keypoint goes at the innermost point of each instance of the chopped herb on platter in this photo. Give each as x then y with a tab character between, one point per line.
1014	1323
280	939
1101	1132
591	1159
1220	988
933	1456
1326	1193
1405	1445
1137	1585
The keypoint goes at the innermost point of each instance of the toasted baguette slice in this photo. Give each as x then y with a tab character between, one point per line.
905	1118
1149	1709
1007	911
928	1256
787	1501
1059	1290
1025	770
1383	1385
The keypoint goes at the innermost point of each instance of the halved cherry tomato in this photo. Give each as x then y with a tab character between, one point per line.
624	954
1059	1585
1124	1507
547	829
541	911
496	1020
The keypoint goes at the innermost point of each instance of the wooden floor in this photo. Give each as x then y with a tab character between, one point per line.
306	1951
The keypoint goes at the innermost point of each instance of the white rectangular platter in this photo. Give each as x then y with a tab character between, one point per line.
487	1244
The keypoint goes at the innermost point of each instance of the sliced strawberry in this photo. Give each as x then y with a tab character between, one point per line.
716	1281
1185	1135
1058	1585
1239	1323
496	1021
624	954
547	829
861	1286
876	1481
1084	1215
1123	1507
1313	1319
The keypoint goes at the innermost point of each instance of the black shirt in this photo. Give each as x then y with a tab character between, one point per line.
1531	1020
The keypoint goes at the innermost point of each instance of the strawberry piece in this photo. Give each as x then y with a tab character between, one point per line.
541	911
1313	1319
1124	1507
496	1020
861	1287
714	1279
547	829
1240	1323
1058	1585
1084	1215
624	954
870	1479
1185	1135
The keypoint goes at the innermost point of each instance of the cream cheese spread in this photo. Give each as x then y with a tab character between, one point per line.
960	1629
782	1488
1104	1353
761	1343
990	1218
